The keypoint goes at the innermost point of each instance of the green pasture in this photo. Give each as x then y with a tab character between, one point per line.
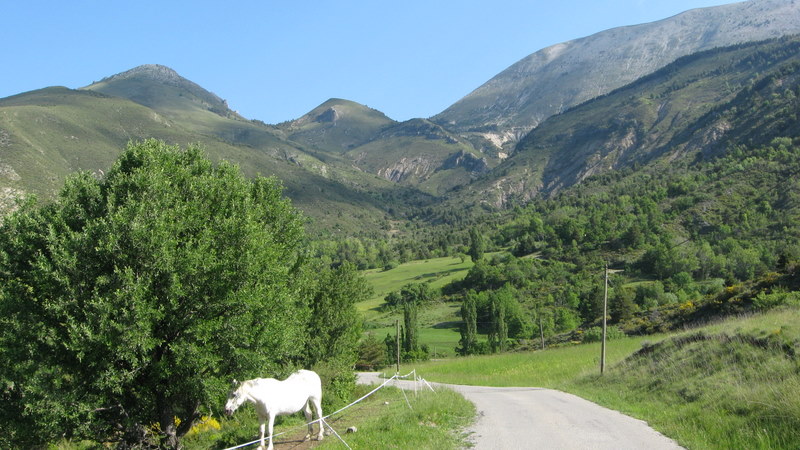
547	368
437	271
438	321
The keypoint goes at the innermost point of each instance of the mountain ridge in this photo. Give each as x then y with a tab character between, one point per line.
342	149
691	108
49	133
566	74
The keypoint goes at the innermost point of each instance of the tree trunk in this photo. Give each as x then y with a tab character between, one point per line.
167	423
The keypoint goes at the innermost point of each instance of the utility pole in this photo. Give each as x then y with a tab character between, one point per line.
397	343
605	313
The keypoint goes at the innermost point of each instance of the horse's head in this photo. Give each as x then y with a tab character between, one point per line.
235	398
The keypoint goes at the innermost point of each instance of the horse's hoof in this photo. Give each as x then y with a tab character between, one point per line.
308	436
319	438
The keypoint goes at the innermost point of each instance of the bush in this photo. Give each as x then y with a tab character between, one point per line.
767	301
371	354
338	383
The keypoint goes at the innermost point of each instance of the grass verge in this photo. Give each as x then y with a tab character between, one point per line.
731	385
547	368
435	420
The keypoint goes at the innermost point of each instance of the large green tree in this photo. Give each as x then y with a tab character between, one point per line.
135	297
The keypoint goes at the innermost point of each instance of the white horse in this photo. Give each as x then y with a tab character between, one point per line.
272	397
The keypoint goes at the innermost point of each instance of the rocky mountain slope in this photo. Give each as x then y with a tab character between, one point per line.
556	78
416	153
698	107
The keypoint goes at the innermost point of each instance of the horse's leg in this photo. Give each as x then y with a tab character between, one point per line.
261	424
318	406
271	423
307	412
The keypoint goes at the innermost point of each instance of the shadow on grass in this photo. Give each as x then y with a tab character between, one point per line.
450	325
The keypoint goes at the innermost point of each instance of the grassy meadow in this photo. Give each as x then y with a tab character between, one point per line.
438	321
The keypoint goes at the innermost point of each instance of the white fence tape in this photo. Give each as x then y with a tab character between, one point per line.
322	419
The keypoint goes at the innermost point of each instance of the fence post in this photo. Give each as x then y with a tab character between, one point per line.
397	344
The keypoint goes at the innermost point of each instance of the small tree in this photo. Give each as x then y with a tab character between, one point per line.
334	328
476	245
371	353
498	335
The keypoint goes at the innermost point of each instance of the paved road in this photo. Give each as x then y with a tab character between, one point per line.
535	418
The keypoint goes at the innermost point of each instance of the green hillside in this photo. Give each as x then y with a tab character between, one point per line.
52	132
49	133
438	320
337	126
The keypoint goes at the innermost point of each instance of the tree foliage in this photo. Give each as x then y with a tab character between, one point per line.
334	328
334	325
133	299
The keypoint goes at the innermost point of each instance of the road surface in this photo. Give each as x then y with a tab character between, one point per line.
536	418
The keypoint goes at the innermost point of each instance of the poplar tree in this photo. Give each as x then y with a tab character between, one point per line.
469	329
499	331
410	327
476	245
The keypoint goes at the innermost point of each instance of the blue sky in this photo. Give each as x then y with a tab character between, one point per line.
275	61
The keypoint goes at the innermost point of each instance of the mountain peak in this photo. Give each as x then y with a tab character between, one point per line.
335	109
154	72
559	77
160	87
337	125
